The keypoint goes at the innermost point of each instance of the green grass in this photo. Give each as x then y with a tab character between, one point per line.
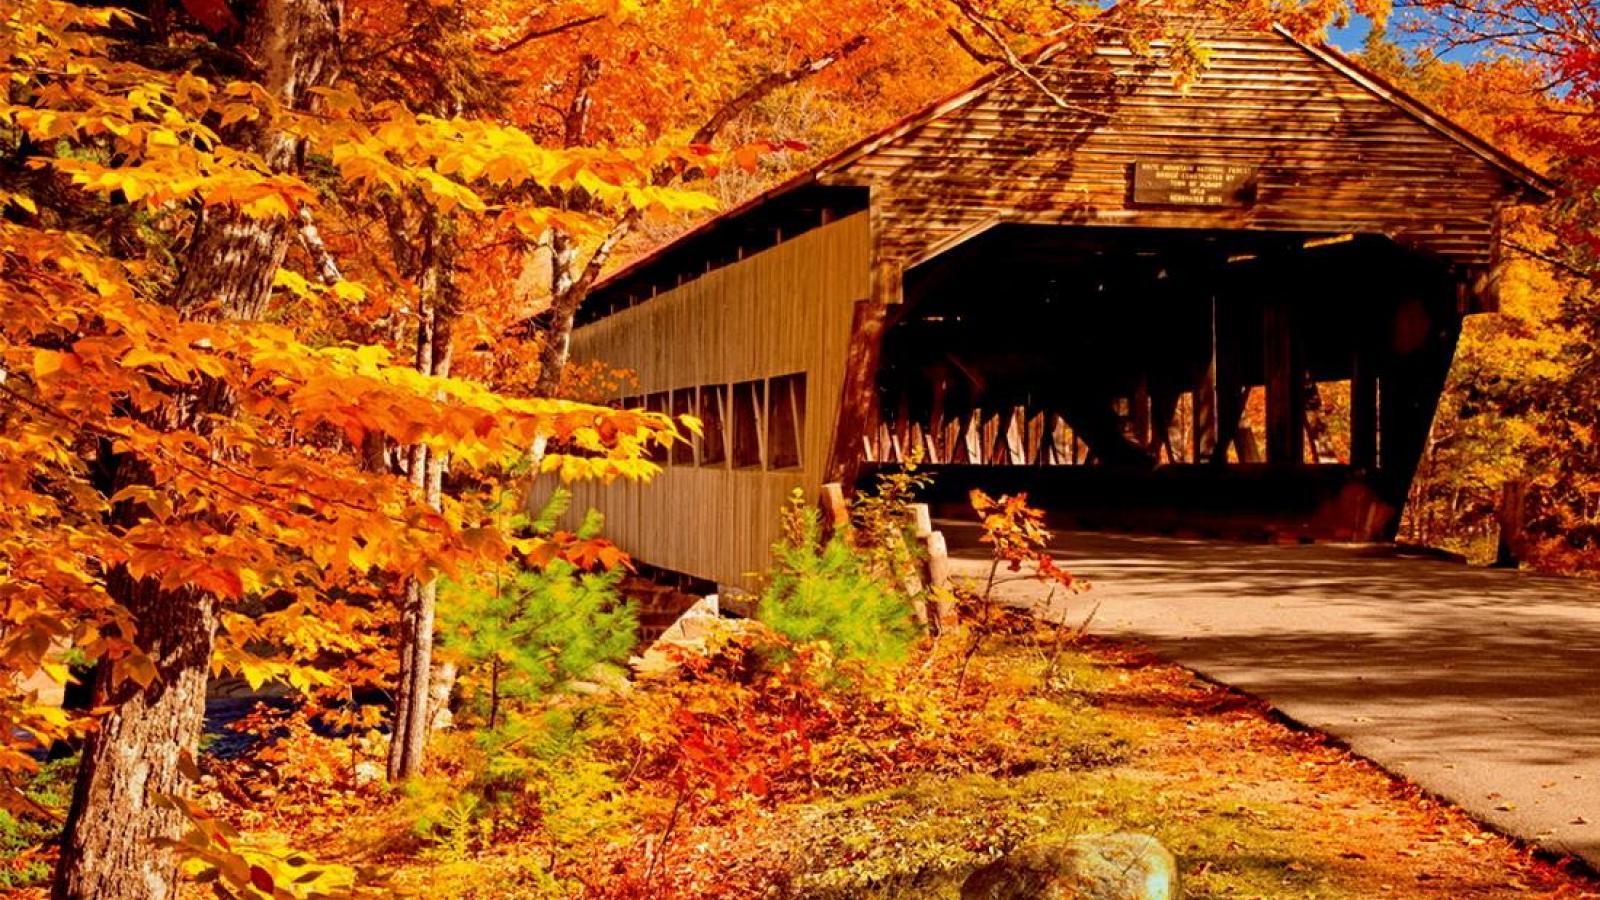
1080	776
923	839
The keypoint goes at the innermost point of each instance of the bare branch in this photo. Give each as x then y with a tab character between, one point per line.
771	82
1014	62
1549	260
548	31
967	47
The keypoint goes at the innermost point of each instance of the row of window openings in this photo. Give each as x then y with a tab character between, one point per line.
749	425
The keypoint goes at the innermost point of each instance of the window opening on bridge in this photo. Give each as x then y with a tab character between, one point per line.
713	417
786	417
749	409
683	405
657	403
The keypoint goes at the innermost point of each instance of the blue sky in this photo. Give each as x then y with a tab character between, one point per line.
1351	36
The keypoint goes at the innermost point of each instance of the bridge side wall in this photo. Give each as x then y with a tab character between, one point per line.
781	312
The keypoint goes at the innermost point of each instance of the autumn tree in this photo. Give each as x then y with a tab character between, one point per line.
227	275
177	453
1517	423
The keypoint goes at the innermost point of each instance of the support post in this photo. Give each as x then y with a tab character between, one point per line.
1204	442
1205	395
1286	427
835	511
1232	392
1139	414
1363	411
941	607
858	398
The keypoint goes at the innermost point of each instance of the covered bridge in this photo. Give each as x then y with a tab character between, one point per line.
1226	308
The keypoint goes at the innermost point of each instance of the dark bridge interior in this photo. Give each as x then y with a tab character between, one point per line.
1231	383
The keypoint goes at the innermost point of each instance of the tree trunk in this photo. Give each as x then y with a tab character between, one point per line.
234	258
414	701
1512	519
133	758
409	743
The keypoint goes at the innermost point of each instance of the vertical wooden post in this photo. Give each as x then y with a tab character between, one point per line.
1231	392
1139	415
1205	395
858	397
835	511
1163	412
943	609
931	611
1363	411
1286	429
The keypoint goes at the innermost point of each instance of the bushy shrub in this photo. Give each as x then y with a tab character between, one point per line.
24	831
829	590
885	526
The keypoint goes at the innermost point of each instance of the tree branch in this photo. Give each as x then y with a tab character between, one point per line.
1547	259
705	134
569	290
1014	62
549	31
771	82
971	50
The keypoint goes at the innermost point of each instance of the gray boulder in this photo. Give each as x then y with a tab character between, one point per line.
1091	867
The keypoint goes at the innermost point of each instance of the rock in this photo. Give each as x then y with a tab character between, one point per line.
696	622
602	680
1091	867
697	631
368	772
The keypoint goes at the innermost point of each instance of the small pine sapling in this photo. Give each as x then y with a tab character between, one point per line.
521	636
828	590
520	633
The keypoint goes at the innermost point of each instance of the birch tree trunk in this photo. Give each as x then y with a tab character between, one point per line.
415	698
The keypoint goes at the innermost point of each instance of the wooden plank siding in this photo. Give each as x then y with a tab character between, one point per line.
1333	156
785	310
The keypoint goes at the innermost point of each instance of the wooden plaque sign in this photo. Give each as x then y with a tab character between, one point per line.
1193	184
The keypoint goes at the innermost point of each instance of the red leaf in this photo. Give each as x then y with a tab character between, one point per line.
262	880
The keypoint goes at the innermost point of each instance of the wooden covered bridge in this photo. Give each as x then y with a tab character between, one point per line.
1229	307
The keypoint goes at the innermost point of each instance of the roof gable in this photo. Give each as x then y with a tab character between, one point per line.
1538	186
